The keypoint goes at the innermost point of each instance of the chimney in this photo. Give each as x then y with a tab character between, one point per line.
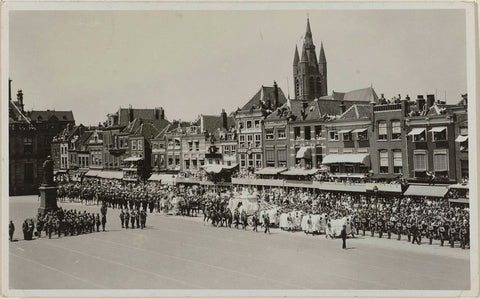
343	107
405	103
224	119
20	100
9	89
130	113
157	113
430	100
162	113
420	102
276	104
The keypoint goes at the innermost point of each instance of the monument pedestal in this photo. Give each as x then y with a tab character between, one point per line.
48	199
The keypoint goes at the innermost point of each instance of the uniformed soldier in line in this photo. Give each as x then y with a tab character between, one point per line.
441	233
451	234
104	221
431	233
463	236
122	217
409	230
255	222
127	218
380	227
414	232
236	217
132	218
343	234
137	218
364	224
39	226
266	223
244	220
49	227
399	229
143	218
97	222
25	230
11	230
372	226
389	228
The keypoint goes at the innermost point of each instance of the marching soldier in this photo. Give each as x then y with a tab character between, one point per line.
255	222
441	233
11	230
132	218
266	223
122	217
104	221
463	236
364	223
399	229
431	233
451	234
389	228
380	227
127	218
409	230
236	217
372	226
97	222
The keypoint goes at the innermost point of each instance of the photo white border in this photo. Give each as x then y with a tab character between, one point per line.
471	12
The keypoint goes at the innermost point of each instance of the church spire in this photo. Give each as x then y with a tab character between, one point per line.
322	58
304	55
308	42
296	58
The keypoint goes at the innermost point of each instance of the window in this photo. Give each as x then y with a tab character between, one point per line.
282	157
269	134
297	88
28	173
134	144
258	160
27	145
384	161
249	141
197	145
250	160
257	124
281	133
319	85
420	137
464	131
270	155
318	131
155	160
241	125
396	130
296	133
177	160
233	149
140	144
243	162
440	160
297	160
170	160
258	140
397	161
420	160
187	164
308	133
312	86
347	136
333	136
241	138
194	163
249	124
439	134
382	130
190	146
464	168
362	135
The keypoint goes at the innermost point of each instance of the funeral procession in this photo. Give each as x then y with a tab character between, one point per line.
291	179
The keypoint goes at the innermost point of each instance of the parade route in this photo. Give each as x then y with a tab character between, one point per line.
175	252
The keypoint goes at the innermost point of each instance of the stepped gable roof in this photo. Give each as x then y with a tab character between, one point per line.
16	115
364	95
46	115
357	111
265	94
213	122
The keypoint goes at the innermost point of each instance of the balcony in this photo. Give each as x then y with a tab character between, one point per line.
387	107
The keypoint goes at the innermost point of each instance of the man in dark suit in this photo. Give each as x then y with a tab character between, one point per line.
343	234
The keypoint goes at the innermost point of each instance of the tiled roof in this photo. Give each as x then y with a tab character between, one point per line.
363	95
133	126
124	115
45	115
213	122
357	111
15	114
84	137
265	94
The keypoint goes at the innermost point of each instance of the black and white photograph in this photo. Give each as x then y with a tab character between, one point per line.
239	149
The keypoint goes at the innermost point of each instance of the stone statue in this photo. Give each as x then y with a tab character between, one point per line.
48	172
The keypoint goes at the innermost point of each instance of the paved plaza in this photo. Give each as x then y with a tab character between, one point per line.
176	252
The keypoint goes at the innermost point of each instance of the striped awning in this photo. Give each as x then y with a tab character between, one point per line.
461	138
428	191
271	170
416	131
347	158
300	171
304	153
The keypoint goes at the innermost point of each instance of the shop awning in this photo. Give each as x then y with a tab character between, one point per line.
111	174
437	129
165	178
348	175
344	131
216	168
459	186
271	170
155	177
429	191
132	159
416	131
385	176
461	138
92	173
304	153
347	158
359	130
459	200
300	171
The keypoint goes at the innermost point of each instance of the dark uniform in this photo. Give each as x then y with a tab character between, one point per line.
11	230
431	233
441	232
104	221
255	222
122	217
97	222
343	234
266	223
451	233
399	230
127	218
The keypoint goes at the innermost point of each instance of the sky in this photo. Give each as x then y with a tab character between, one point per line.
198	62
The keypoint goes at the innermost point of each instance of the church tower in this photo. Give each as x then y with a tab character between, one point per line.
309	75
